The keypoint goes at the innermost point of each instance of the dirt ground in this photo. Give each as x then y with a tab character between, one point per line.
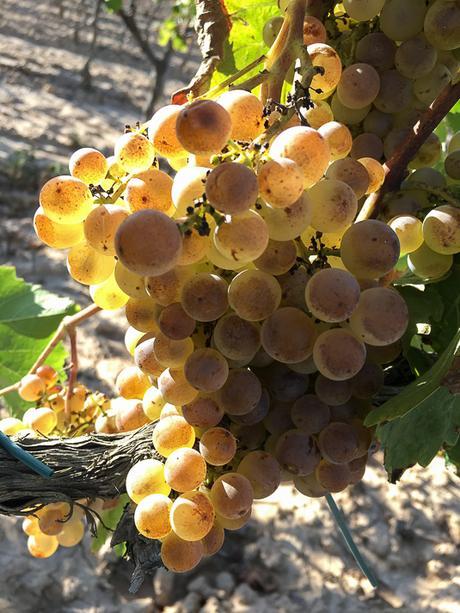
291	557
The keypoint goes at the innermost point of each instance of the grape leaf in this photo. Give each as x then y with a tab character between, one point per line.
29	316
416	437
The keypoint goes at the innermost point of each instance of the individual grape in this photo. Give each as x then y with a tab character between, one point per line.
394	140
353	174
309	486
369	249
52	517
162	132
454	143
31	387
115	171
233	524
188	186
287	223
375	172
310	414
231	188
153	403
166	289
254	295
204	297
192	516
257	414
344	114
72	533
180	556
108	295
203	412
441	230
429	176
134	152
175	323
333	477
30	525
278	258
151	516
293	287
175	388
280	182
306	367
381	317
271	30
415	57
236	338
129	415
42	546
246	113
129	283
57	235
325	57
338	137
378	123
88	266
42	420
184	470
452	165
105	424
88	165
313	31
297	452
262	471
171	353
357	469
203	127
206	369
171	433
240	393
427	88
332	393
395	92
428	264
338	443
442	24
338	354
285	384
368	381
358	86
318	114
11	426
333	203
218	446
142	314
215	257
428	154
145	478
150	189
132	338
363	10
409	232
77	399
288	335
307	148
66	200
232	495
402	19
243	237
148	243
249	437
194	246
131	383
213	541
377	50
332	295
367	145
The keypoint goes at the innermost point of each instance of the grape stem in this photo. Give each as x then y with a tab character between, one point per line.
213	92
395	167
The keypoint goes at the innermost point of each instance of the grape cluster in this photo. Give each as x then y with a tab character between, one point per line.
260	313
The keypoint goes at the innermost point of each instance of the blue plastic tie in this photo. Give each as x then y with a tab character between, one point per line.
353	548
25	457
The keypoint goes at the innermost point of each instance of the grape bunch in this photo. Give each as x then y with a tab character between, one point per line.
261	313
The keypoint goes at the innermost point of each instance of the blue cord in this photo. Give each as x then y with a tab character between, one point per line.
342	524
25	457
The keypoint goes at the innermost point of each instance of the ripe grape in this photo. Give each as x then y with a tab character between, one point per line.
88	266
333	477
415	58
42	420
129	282
363	10
175	323
262	471
236	338
271	30
332	295
344	114
171	433
213	541
441	230
285	384
297	452
218	446
206	369
203	127
231	188
184	470
192	516
338	137
454	143
338	442
132	338
142	314
150	189
442	24
333	203
130	415
72	533
148	243
108	295
402	19
246	113
278	257
309	486
175	388
288	335
203	412
358	86
313	31
151	516
310	414
166	289
180	556
31	387
395	92
384	354
254	294
170	353
11	426
162	132
240	393
131	382
369	249
428	264
409	232
350	172
293	287
307	148
134	152
368	381
232	495
378	123
146	477
52	517
427	88
42	546
66	200
204	297
287	223
258	413
338	354
243	237
357	469
452	165
153	403
88	165
375	172
30	525
318	113
377	50
367	145
381	317
188	186
194	246
325	57
233	524
57	235
115	171
280	182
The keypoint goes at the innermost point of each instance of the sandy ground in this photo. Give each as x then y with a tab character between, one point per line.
290	558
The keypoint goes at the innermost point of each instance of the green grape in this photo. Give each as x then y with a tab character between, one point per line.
172	433
218	446
297	452
287	223
150	189
254	295
377	50
246	112
236	338
310	414
333	477
452	165
402	19
381	317
409	232
332	295
108	295
288	335
415	58
430	176
367	145
428	264
358	86
442	24
88	266
262	471
188	186
192	516
338	354
66	200
174	387
278	258
57	235
369	249
204	297
333	204
180	556
344	114
134	152
271	30
363	10
203	412
162	132
338	137
280	182
427	88
454	143
153	403
428	154
394	140
231	188
378	123
240	393
395	92
232	496
441	229
353	174
203	127
129	282
206	369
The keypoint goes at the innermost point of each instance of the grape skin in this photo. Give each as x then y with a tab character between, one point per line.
350	172
240	393
263	472
192	516
333	477
232	496
171	433
144	478
363	10
297	452
151	516
236	338
442	25
280	182
203	127
150	189
441	230
338	354
288	335
254	295
334	205
134	152
174	387
206	369
278	258
409	231
287	223
204	297
162	132
203	412
358	86
246	113
180	556
310	414
338	137
325	57
332	295
101	225
242	238
188	185
402	19
88	165
88	266
232	188
428	264
218	446
65	199
338	443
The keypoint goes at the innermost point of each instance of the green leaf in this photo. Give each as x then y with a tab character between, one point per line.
453	455
113	5
111	517
29	316
417	437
